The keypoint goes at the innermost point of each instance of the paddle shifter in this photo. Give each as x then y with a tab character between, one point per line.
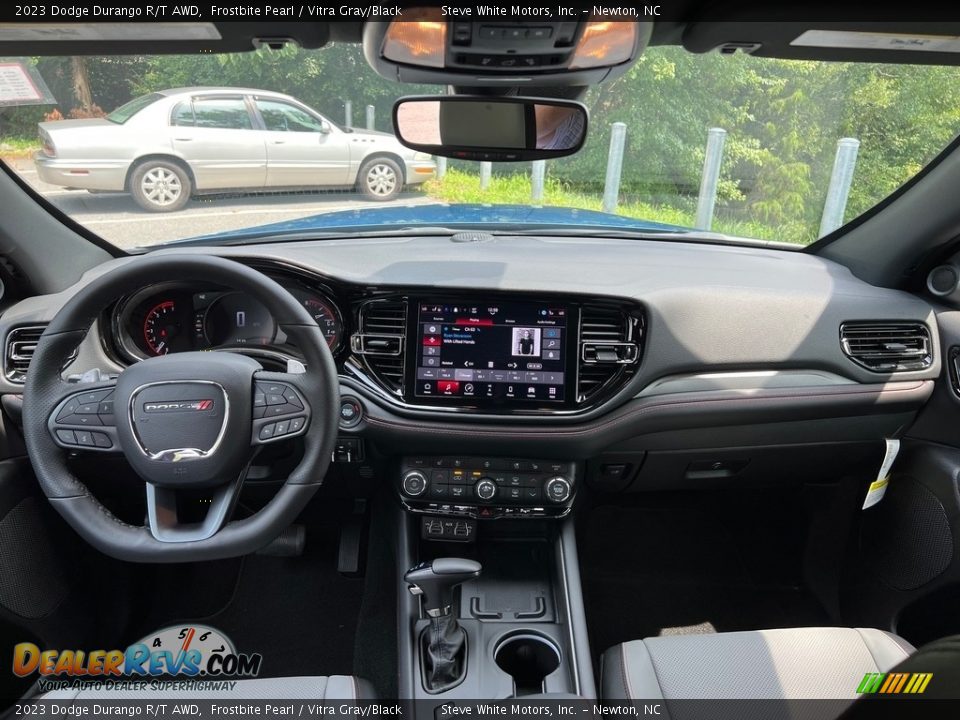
443	646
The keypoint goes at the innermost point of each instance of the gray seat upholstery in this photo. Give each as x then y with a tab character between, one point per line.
797	663
333	688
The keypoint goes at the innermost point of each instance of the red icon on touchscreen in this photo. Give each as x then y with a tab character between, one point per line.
431	340
448	386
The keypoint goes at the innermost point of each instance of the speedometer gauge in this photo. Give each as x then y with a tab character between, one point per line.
325	317
161	327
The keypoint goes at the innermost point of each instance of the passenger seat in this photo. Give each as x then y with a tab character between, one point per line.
822	663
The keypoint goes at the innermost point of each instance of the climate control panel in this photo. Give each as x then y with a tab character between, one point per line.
487	487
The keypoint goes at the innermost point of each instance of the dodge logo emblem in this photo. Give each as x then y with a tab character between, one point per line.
178	406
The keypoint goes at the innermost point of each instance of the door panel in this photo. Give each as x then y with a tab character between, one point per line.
905	554
299	152
216	136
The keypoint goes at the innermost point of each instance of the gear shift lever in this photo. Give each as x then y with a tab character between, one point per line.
435	581
443	647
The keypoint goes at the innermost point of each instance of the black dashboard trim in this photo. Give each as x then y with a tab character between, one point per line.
657	414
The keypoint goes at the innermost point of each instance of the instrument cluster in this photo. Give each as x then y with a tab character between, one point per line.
172	317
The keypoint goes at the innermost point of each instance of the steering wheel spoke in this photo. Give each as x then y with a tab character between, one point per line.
164	512
84	418
280	409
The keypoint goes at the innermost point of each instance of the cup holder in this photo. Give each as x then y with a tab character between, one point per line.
528	658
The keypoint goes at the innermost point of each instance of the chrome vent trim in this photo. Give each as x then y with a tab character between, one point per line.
609	345
18	352
887	346
379	344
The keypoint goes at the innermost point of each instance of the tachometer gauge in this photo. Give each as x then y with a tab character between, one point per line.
326	318
161	327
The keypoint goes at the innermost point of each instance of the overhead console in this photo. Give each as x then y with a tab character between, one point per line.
453	45
498	354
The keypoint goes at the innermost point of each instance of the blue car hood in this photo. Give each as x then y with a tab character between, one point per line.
500	217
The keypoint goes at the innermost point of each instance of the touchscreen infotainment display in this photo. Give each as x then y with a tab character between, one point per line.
512	352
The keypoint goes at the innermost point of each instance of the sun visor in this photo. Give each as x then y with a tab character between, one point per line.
798	34
154	38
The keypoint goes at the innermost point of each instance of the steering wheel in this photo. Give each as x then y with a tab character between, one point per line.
186	422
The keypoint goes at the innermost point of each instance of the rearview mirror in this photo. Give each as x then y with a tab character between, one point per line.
501	129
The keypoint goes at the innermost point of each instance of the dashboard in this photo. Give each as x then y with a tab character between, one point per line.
542	346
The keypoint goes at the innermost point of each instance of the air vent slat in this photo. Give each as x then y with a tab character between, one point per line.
887	346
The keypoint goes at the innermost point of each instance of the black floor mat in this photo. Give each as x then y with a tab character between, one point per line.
298	612
688	566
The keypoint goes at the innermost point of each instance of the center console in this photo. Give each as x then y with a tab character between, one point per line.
491	605
498	617
494	608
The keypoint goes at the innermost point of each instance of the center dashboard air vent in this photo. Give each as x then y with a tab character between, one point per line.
379	342
610	347
887	346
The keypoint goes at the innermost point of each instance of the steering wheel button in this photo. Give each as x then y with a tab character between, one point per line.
266	432
105	407
84	420
271	389
278	410
93	396
296	424
84	437
66	437
276	399
291	397
282	428
88	409
259	399
69	409
101	440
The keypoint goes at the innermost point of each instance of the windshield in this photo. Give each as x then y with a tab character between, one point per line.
231	148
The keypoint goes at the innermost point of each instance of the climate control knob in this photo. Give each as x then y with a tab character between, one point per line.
486	489
414	483
557	489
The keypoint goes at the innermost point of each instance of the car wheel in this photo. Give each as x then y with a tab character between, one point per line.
160	186
381	179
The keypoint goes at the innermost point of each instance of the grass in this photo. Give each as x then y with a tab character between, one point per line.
16	147
462	187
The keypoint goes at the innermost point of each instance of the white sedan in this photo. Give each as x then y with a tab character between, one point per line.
164	147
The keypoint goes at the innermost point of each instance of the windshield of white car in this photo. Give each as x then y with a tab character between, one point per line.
229	148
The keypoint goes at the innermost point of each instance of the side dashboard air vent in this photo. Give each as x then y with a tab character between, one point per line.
610	345
379	342
887	346
18	352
